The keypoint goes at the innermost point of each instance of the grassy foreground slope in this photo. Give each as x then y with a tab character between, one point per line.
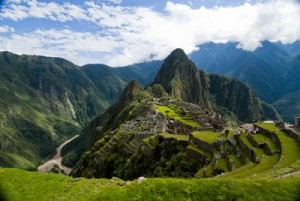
21	185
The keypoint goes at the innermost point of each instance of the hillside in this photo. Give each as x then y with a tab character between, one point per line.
42	100
45	101
145	135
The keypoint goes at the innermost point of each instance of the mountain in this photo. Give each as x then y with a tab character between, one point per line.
110	82
289	104
260	69
46	100
182	80
292	49
150	136
271	70
43	102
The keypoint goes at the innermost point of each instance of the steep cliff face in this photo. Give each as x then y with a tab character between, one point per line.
239	99
182	80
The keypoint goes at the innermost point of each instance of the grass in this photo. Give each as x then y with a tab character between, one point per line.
174	136
206	135
244	138
254	170
12	159
222	164
167	111
261	138
290	150
20	185
236	161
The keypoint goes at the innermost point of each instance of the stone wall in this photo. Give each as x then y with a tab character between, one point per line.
202	144
197	156
272	135
263	146
249	151
297	123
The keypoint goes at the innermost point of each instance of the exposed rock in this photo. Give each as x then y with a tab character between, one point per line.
140	179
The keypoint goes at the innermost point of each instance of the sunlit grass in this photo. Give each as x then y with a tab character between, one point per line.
206	135
167	111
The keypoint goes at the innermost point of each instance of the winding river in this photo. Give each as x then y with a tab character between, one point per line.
47	166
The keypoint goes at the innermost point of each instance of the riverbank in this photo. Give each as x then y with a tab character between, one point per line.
56	161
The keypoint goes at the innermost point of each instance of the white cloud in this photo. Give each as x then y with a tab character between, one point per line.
134	34
22	9
6	29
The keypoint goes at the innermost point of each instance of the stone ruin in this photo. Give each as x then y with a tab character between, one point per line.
297	123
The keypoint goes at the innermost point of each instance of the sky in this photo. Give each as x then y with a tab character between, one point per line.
123	32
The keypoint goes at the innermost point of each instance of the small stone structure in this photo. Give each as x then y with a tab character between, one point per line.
297	123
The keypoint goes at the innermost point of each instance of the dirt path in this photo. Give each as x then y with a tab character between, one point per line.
297	172
47	166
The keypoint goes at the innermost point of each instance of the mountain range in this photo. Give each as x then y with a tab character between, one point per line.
270	70
50	99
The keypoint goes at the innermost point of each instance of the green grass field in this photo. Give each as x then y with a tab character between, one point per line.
167	111
206	135
21	185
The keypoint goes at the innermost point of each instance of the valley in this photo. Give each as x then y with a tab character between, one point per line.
55	163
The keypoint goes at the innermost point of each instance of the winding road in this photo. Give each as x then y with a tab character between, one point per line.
47	166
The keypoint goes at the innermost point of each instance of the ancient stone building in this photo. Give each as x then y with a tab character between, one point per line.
297	122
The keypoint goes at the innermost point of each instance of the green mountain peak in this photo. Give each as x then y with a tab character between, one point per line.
181	79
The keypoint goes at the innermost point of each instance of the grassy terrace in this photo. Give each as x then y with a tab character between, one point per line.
206	171
207	135
201	151
261	138
252	170
21	185
222	164
175	136
167	111
290	150
244	138
235	161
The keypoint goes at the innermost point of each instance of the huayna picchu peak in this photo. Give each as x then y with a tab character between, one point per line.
182	80
175	135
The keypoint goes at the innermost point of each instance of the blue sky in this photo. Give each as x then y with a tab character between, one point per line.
122	32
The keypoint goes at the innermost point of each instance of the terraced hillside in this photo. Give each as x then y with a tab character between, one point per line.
164	137
152	143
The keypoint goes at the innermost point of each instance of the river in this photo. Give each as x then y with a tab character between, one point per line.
48	165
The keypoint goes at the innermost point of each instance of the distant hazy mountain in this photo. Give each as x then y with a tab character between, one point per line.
292	49
271	70
289	104
259	69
